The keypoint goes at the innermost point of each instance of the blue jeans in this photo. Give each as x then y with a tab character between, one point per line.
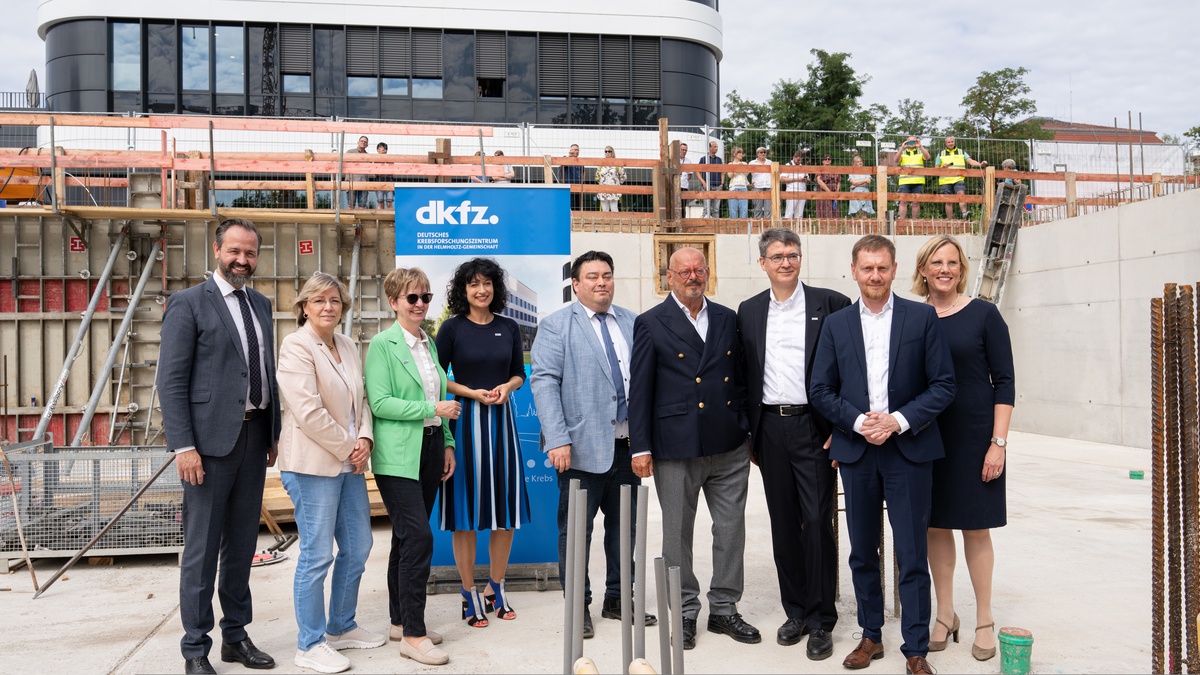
328	509
737	207
603	494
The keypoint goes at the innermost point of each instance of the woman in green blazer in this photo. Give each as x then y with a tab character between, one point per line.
414	452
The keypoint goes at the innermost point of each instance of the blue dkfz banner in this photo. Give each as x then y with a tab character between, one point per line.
527	230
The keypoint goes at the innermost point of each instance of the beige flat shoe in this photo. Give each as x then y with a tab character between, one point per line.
396	634
424	653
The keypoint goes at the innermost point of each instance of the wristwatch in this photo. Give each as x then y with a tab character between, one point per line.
999	441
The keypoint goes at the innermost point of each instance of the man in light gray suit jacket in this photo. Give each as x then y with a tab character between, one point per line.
220	408
579	375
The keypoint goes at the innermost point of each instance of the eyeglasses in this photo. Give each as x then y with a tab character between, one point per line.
778	258
608	152
699	273
412	298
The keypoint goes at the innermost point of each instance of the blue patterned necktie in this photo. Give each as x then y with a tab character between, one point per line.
615	367
251	350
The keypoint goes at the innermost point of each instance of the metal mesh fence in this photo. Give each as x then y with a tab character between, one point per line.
523	148
66	495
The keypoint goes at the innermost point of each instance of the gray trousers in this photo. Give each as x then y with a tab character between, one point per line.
724	479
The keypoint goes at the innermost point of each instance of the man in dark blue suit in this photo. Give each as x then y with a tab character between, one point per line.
883	373
220	409
687	427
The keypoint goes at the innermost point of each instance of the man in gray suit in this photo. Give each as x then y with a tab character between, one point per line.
220	408
580	382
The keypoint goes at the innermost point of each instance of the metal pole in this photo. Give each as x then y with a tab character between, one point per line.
84	325
212	172
1141	145
53	173
1131	155
88	546
626	581
676	620
567	582
106	369
482	160
1117	150
337	184
112	424
580	573
639	575
664	622
348	329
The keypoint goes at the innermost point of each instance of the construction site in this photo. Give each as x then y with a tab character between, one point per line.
106	216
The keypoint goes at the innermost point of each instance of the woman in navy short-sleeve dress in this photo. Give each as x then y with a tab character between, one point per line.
484	353
968	483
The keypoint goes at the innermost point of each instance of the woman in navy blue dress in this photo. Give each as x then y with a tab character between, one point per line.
484	353
968	484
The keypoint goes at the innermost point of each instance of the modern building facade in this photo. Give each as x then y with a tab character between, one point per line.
621	62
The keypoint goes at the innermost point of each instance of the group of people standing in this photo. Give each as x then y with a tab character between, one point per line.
911	401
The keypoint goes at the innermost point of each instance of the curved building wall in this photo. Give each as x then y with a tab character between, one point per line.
629	63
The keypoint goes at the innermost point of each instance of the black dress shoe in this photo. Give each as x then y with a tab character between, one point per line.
247	654
735	627
820	645
589	631
689	633
790	632
612	610
198	665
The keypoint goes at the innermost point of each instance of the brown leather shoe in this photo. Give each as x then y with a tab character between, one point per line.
866	651
918	665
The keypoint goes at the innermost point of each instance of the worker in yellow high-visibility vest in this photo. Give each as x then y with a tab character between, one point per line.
911	154
955	158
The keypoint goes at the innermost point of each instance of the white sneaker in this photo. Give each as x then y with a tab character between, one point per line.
359	638
323	659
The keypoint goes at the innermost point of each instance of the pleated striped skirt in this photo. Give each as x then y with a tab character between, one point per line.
487	490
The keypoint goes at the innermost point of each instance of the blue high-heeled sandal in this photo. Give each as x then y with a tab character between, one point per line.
498	601
472	609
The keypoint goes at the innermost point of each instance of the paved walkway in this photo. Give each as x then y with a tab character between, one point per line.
1072	566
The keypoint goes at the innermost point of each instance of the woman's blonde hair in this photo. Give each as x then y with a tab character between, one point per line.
401	279
317	284
920	286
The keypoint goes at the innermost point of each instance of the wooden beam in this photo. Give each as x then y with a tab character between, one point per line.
244	124
254	215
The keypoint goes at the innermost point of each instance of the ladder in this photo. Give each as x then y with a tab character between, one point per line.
1000	243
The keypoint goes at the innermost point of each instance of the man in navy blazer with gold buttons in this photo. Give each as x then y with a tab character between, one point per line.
882	375
687	427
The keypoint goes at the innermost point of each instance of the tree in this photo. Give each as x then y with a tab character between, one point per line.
996	102
830	98
785	105
910	118
746	119
1193	133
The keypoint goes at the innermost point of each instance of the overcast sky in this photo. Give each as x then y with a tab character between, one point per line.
1089	61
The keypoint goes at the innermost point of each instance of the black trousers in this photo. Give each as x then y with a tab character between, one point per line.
220	521
409	504
799	484
603	494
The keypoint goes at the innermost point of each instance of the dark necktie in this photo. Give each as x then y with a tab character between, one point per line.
251	350
615	367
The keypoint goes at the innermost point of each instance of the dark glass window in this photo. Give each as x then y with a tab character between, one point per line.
194	53
458	67
297	84
645	113
329	77
522	68
160	103
426	88
126	102
126	58
231	59
395	86
365	86
261	64
230	105
583	113
363	107
162	58
197	104
297	106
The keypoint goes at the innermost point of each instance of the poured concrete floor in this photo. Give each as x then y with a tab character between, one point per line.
1072	566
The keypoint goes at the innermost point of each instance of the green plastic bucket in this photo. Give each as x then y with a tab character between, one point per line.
1016	646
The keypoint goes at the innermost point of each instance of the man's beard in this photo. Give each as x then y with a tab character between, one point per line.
234	278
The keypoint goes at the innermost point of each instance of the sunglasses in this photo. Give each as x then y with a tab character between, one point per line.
412	298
